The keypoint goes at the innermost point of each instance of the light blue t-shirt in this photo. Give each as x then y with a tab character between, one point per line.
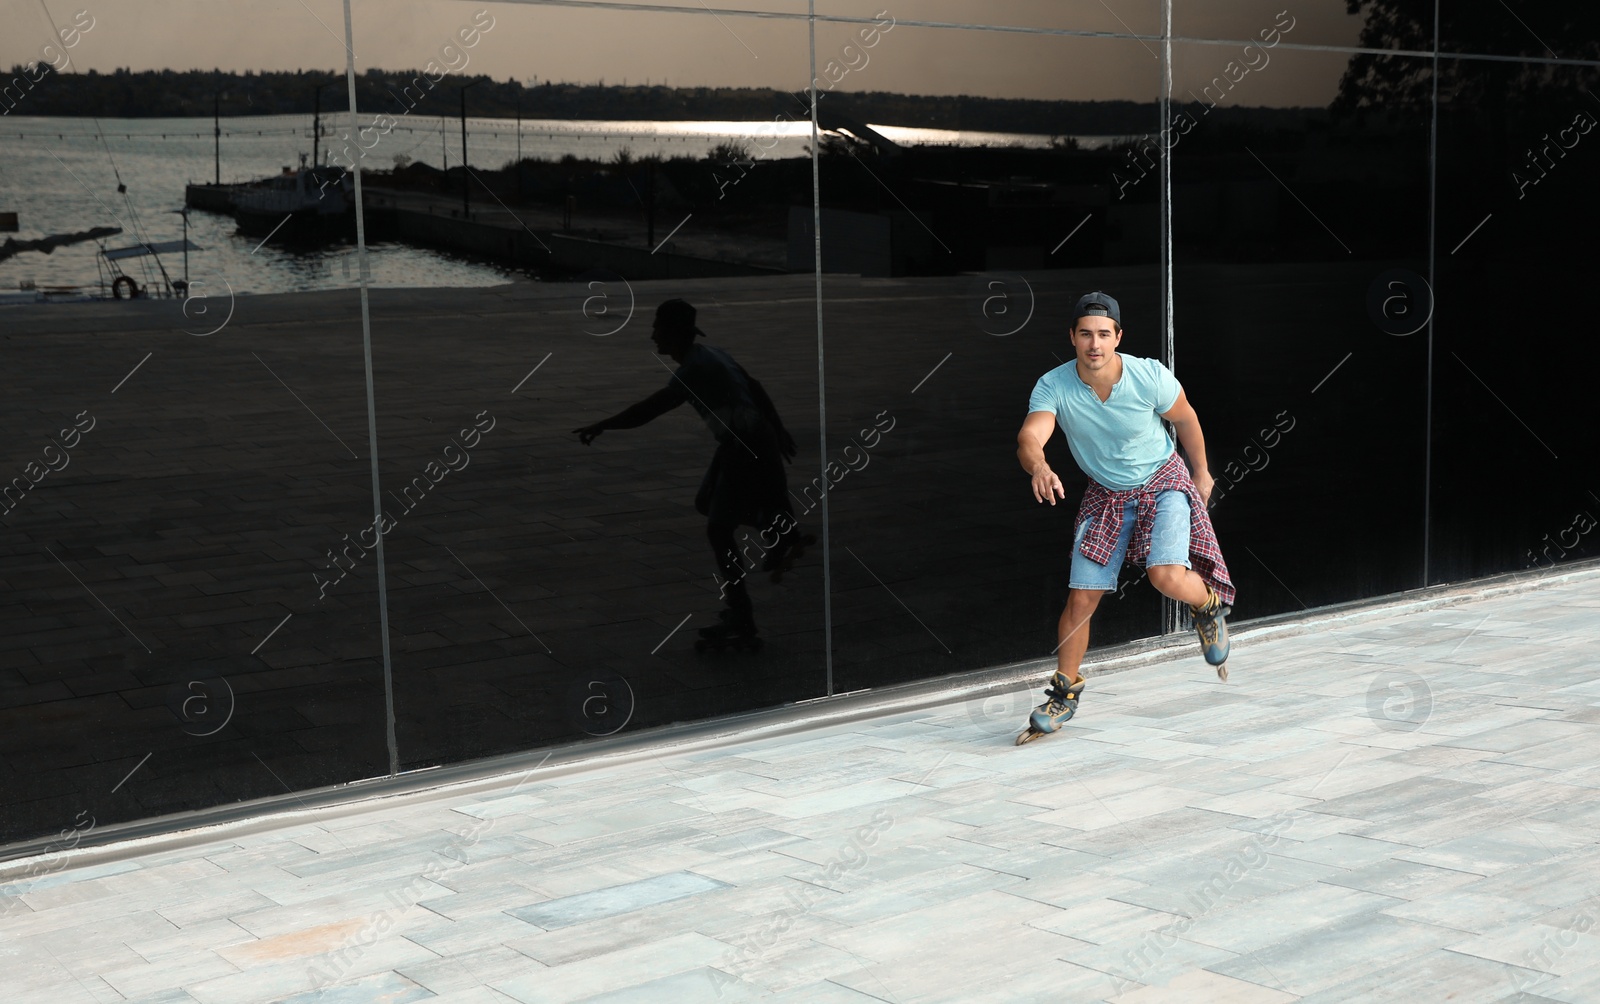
1120	442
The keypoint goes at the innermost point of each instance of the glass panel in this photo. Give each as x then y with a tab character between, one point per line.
184	464
733	13
1269	23
1300	249
546	590
1517	211
1543	29
957	235
1123	17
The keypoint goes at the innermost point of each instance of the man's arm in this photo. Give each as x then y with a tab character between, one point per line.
635	415
1187	423
1037	429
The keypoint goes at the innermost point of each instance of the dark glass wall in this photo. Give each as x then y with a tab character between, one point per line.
1513	463
949	273
572	581
1300	255
1364	263
174	493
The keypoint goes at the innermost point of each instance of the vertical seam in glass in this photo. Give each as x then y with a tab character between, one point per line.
1169	346
822	383
1433	197
1170	617
372	410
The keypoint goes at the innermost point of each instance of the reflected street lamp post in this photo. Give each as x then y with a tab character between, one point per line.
216	133
316	119
466	176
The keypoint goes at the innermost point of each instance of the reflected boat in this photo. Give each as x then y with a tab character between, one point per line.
124	286
309	205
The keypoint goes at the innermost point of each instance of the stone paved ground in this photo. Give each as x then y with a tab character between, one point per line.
1396	808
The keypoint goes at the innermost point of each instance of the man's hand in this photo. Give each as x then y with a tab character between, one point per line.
1046	485
1203	484
587	434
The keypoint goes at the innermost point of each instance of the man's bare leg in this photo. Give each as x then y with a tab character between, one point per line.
1186	586
1073	630
1182	584
1066	683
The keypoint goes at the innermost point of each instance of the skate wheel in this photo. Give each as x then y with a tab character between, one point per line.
1222	672
1028	737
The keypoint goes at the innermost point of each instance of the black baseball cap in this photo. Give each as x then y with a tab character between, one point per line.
677	315
1097	304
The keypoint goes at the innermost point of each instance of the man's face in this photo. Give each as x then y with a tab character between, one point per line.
668	341
1096	339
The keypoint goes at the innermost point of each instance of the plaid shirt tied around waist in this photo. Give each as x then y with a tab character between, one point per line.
1102	506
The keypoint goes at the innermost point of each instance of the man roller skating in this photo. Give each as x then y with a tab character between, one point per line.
1142	504
745	484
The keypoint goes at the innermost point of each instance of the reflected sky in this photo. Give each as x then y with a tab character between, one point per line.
536	43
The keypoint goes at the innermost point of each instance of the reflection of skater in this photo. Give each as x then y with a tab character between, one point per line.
745	484
1141	503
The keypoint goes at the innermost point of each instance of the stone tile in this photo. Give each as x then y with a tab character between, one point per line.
748	868
471	995
609	902
1573	988
1342	850
1092	812
448	938
485	895
77	883
300	900
1391	800
165	997
1523	735
615	970
390	988
1465	909
969	976
1149	958
826	992
88	990
788	964
1256	803
1104	921
1201	987
1551	944
1493	851
295	971
1066	889
1463	977
1402	879
87	946
1311	962
153	978
928	932
723	915
1254	925
467	970
702	984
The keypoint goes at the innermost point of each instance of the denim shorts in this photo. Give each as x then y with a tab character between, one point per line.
1169	543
